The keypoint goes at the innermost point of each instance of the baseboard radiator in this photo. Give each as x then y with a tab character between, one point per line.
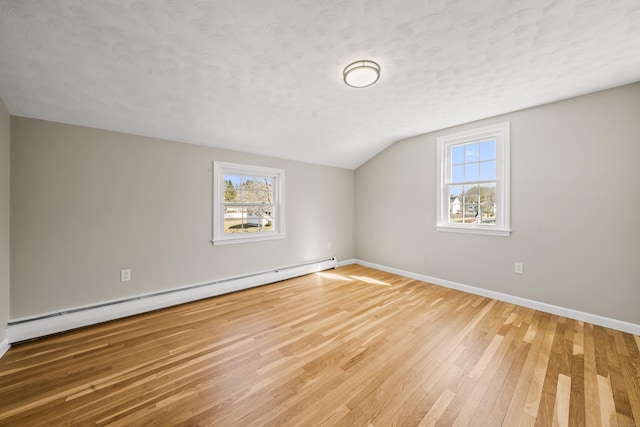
38	326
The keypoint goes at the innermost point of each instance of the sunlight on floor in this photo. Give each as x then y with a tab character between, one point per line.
352	278
334	276
370	280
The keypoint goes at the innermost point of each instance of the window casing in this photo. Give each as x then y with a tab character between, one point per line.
473	181
248	203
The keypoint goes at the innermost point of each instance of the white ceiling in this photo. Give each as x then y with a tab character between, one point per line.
266	77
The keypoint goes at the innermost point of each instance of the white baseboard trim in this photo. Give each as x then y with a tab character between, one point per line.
37	326
4	346
595	319
346	262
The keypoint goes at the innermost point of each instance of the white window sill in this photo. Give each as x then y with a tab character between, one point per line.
247	239
477	229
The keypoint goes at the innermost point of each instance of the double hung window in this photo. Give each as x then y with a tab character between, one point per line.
473	181
248	203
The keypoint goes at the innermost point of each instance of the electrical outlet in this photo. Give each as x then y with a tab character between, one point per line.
329	245
519	268
125	275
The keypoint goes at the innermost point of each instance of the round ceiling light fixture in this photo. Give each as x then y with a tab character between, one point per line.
361	73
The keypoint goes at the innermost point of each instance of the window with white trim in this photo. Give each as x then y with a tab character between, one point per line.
473	181
248	203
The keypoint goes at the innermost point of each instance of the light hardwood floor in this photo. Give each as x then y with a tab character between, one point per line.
346	347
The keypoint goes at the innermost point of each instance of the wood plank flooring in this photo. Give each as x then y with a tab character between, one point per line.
346	347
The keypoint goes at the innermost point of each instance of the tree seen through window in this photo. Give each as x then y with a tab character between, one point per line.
248	204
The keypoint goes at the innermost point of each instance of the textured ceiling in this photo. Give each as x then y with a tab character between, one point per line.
266	77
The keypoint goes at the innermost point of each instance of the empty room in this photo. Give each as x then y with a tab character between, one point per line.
320	213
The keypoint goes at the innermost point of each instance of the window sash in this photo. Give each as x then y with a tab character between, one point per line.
254	218
249	218
493	215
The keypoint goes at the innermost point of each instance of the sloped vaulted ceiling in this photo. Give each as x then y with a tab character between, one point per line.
266	77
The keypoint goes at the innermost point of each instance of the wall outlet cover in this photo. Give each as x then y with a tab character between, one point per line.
125	275
519	268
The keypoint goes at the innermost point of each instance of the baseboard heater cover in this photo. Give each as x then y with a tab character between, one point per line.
38	326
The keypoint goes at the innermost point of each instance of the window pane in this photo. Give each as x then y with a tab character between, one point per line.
471	172
247	182
488	193
248	189
233	179
457	155
265	218
260	196
470	203
258	216
455	203
470	194
457	173
488	150
248	219
231	186
487	170
488	203
234	219
472	152
470	211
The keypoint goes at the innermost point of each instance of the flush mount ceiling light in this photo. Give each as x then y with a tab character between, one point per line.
361	73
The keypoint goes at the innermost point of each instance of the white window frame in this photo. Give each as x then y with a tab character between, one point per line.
501	133
222	168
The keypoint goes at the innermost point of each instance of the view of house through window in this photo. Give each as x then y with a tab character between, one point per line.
472	192
248	204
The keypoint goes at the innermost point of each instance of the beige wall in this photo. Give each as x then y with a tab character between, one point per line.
575	209
5	135
87	203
